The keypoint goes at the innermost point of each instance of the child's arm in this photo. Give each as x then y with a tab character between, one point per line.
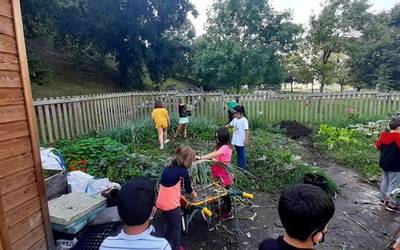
246	139
210	156
230	125
188	184
246	129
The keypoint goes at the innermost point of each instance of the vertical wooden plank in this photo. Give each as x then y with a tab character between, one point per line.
77	127
71	119
48	122
42	124
66	120
54	120
85	115
23	65
92	116
371	105
61	121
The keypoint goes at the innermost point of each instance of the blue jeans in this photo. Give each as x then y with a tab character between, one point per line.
241	157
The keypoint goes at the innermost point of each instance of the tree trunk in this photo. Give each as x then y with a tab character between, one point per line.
321	89
291	87
312	86
341	87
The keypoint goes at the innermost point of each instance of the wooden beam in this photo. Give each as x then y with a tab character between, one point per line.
23	64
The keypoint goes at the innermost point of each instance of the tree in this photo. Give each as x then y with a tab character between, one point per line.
297	69
244	43
333	31
375	56
140	33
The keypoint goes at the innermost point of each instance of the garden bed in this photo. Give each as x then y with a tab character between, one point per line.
274	162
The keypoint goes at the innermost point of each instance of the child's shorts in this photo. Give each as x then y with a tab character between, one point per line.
183	120
162	125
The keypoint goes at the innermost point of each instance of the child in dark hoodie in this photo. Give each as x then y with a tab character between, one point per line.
389	145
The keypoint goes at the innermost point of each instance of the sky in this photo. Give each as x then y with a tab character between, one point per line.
301	9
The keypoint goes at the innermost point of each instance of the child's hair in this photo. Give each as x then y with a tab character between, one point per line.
158	104
240	109
305	209
130	210
394	123
183	156
222	137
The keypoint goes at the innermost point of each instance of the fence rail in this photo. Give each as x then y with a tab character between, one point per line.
69	117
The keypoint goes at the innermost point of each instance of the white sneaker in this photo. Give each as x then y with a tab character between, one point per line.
166	141
161	147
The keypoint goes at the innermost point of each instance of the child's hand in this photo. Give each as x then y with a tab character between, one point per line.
194	194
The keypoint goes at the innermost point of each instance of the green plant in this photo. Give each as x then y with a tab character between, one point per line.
351	148
86	153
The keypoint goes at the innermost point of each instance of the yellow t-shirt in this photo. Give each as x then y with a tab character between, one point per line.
160	117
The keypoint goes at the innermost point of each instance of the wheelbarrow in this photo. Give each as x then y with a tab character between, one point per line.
211	195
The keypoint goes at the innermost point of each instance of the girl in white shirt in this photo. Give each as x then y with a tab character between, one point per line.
240	136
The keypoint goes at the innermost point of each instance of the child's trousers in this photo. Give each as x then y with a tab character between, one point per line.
390	181
241	157
173	227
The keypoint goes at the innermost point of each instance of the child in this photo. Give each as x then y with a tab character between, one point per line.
161	119
240	136
169	196
183	119
222	157
305	211
136	208
230	105
389	145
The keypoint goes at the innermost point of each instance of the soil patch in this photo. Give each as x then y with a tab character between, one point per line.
295	130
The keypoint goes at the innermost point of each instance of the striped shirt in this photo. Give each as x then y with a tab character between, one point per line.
144	240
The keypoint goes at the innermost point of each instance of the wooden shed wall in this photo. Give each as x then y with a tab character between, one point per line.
24	219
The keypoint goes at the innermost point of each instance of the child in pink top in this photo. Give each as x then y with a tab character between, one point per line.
219	170
222	158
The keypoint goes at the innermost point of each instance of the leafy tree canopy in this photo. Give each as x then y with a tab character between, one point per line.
244	43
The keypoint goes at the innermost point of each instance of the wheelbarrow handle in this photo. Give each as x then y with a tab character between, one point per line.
240	193
204	210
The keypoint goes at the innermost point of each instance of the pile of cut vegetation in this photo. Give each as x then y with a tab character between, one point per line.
295	130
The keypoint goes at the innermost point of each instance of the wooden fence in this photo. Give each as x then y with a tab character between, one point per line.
69	117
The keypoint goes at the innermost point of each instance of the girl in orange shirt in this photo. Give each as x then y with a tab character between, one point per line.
168	201
161	120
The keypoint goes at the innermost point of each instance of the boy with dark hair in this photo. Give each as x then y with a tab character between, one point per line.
305	211
389	145
135	208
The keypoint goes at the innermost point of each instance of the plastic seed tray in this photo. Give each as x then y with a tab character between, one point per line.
71	212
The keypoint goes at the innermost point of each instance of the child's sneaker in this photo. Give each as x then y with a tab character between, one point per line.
166	141
393	207
227	216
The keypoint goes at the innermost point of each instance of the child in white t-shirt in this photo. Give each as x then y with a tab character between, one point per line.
240	136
